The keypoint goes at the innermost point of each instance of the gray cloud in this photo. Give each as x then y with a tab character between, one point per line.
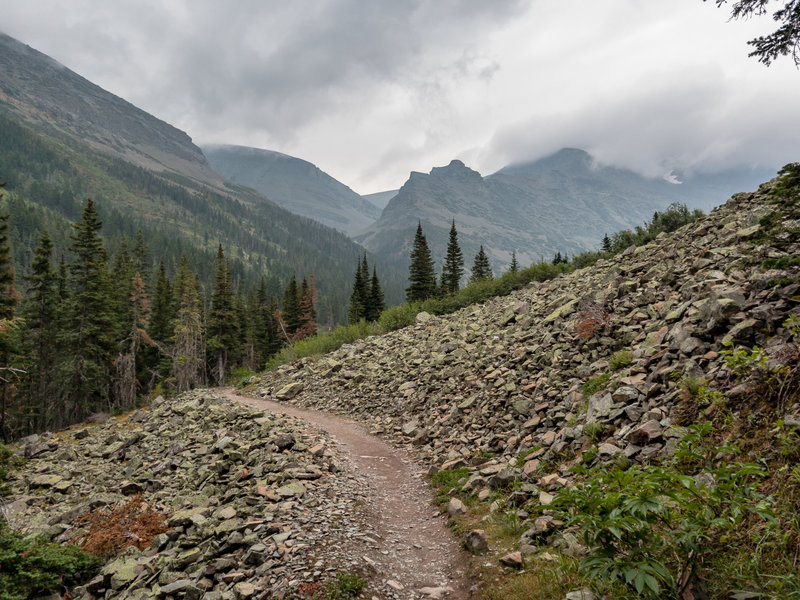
371	89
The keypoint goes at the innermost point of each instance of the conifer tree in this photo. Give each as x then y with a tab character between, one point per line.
453	268
359	297
222	341
513	267
480	267
265	326
376	304
140	257
40	309
129	359
162	315
421	276
606	243
291	307
188	348
122	276
9	327
308	313
89	333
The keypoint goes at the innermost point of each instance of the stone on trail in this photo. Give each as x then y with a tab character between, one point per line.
435	592
476	541
456	507
289	391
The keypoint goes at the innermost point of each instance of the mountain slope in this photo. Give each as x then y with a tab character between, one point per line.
563	202
295	184
607	366
65	139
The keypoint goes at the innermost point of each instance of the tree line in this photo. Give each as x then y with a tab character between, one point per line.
90	334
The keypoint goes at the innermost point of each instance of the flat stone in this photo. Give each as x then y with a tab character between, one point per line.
289	391
291	490
513	560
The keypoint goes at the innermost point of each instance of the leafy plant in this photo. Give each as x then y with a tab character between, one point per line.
594	432
345	587
653	528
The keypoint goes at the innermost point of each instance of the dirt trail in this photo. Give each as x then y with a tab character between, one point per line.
414	553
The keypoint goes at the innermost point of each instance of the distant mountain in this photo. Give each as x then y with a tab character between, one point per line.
563	203
380	199
64	139
295	184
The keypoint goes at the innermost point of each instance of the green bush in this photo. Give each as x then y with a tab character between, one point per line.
8	461
346	586
31	567
645	526
595	384
398	317
594	432
620	360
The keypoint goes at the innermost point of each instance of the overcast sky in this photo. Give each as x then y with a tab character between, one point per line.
369	90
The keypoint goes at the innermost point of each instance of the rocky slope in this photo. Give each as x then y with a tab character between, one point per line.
499	387
295	184
254	504
564	202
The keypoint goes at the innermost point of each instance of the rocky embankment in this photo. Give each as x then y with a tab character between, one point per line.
518	389
238	502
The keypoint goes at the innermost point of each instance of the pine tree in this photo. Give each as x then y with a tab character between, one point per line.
480	267
160	325
513	267
40	309
359	297
291	307
89	333
421	275
128	360
140	257
266	327
453	268
222	342
376	304
9	327
188	348
122	276
606	243
308	313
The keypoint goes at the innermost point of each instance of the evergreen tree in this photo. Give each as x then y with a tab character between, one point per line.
9	327
513	267
188	349
89	333
453	268
140	257
40	310
122	276
128	361
267	341
421	275
308	313
480	267
359	297
376	304
291	307
607	243
160	326
222	329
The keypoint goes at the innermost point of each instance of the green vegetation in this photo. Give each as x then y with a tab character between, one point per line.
346	586
595	384
594	432
620	360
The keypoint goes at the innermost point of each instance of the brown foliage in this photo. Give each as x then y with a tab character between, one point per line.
133	523
593	319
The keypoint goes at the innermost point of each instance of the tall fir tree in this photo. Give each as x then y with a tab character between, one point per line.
128	364
606	243
480	267
308	311
376	303
188	348
89	334
421	275
514	266
9	327
359	297
265	325
453	268
140	257
222	330
40	310
291	307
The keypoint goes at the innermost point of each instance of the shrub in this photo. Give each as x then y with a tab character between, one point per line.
620	360
110	531
595	385
653	528
33	567
594	432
